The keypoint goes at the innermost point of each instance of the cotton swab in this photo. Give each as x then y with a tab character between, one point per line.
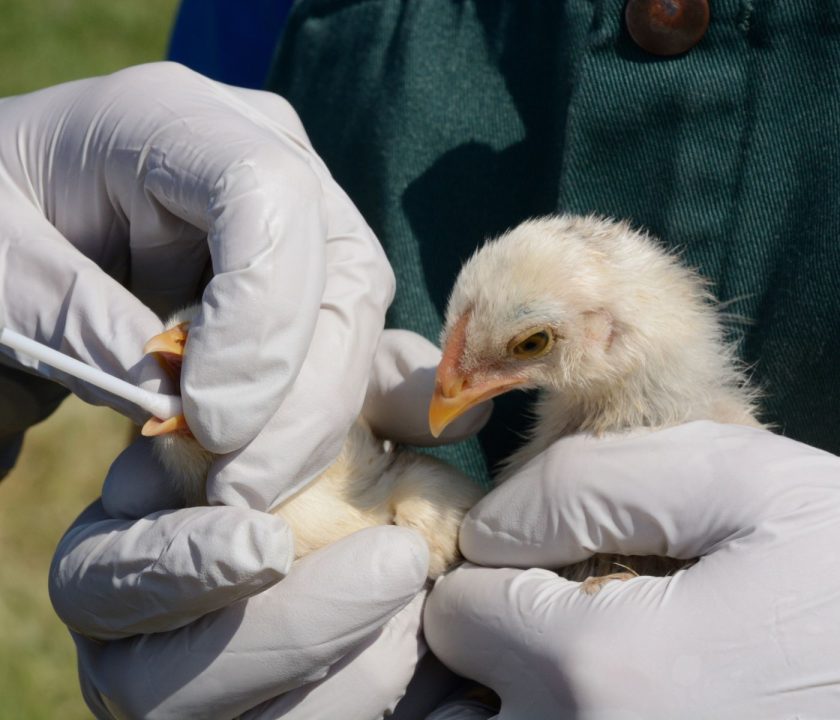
159	405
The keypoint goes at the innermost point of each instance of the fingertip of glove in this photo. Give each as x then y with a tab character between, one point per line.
264	547
214	427
408	550
227	414
399	555
414	554
281	550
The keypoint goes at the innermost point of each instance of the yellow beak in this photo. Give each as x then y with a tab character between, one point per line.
153	426
453	396
168	348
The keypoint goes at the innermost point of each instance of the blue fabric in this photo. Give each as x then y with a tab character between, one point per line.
229	40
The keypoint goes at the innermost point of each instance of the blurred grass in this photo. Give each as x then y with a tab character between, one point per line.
60	471
64	459
44	42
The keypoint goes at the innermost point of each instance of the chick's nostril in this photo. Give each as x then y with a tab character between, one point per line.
450	383
450	390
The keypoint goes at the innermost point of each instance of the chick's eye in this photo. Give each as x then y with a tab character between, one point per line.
531	346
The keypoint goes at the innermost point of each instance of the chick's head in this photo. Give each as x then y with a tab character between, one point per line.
532	309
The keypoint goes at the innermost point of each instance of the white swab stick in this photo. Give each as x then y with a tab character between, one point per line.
159	405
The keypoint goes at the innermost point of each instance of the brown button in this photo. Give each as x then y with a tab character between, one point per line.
666	27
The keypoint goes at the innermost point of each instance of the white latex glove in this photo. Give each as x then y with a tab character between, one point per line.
751	631
117	193
176	612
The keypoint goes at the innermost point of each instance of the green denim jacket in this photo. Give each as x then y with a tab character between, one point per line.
448	121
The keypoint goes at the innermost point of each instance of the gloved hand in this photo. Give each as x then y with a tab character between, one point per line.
338	637
751	631
116	196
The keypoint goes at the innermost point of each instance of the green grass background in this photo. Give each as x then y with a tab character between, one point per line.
45	42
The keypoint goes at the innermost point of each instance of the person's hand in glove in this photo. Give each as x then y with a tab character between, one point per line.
178	613
751	631
118	195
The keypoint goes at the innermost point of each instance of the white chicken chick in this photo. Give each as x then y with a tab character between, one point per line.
370	483
613	330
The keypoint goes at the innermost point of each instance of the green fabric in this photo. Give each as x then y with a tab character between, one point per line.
448	121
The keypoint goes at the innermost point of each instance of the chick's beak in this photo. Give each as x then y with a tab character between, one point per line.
153	426
448	402
168	349
455	394
457	391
